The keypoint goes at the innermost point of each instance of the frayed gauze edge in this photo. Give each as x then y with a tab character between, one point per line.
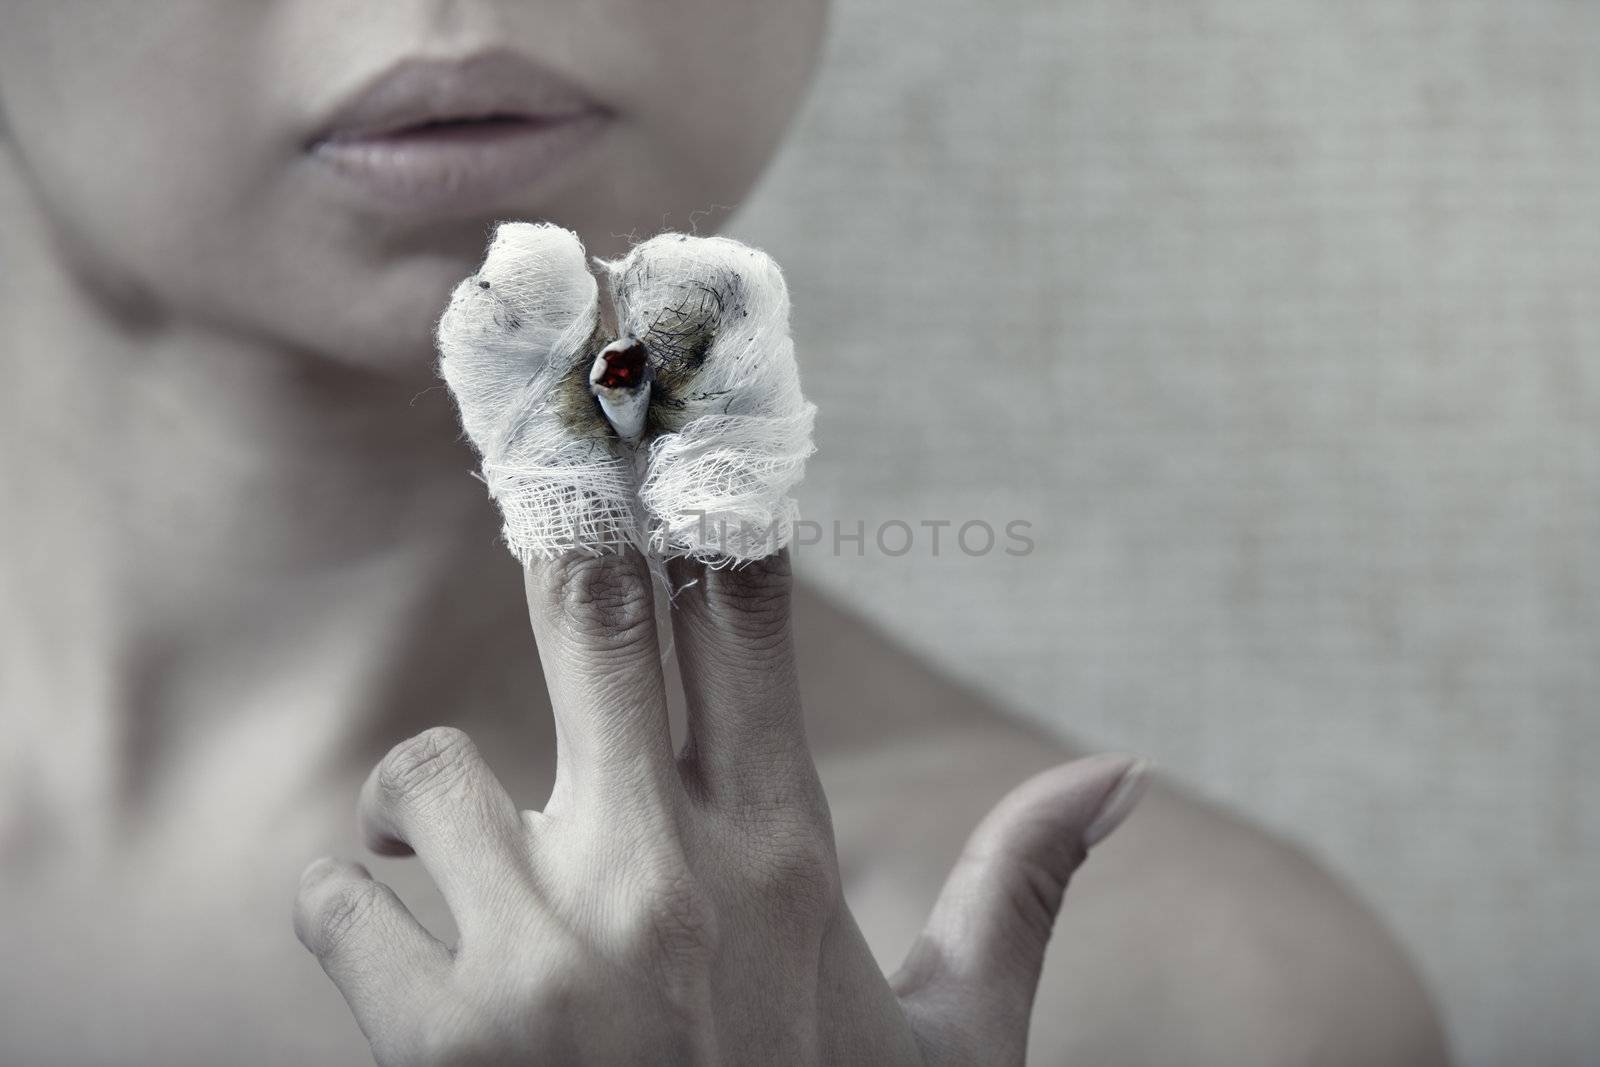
515	355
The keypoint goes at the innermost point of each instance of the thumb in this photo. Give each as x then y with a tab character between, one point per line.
968	982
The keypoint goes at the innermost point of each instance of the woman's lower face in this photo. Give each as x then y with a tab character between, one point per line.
173	146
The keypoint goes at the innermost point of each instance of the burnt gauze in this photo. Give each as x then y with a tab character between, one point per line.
682	431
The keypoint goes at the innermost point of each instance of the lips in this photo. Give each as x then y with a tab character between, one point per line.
438	134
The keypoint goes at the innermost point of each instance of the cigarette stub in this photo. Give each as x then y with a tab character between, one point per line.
691	408
620	379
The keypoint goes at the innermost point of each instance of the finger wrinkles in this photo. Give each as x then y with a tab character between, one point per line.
750	602
603	602
430	765
1030	881
1032	894
765	778
332	908
738	659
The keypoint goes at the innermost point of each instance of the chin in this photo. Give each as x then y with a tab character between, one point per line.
377	322
397	346
392	289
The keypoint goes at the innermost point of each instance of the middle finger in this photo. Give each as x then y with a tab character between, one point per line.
735	646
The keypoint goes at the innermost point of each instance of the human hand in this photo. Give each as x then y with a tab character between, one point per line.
681	908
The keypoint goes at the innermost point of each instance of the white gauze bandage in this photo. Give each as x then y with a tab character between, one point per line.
684	434
515	345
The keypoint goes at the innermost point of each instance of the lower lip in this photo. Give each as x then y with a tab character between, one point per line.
460	165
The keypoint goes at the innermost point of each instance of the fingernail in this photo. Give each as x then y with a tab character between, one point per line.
1118	803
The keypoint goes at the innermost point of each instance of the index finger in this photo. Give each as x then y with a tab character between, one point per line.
593	619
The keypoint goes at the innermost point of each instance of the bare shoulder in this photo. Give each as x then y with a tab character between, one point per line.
1229	945
1190	937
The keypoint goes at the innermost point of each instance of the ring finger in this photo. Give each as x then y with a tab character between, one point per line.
433	795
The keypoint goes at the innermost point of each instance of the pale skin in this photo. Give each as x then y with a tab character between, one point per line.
241	564
680	907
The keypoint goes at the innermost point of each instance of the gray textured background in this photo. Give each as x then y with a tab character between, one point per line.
1278	320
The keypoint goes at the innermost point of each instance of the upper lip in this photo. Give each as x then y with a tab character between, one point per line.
415	91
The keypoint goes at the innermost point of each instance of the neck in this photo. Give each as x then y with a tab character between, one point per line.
211	540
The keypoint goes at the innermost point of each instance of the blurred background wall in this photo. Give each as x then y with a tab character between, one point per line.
1277	319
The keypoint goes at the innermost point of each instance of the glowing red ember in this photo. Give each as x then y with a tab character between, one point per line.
624	366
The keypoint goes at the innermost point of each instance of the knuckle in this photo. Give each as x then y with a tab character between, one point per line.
604	600
449	1033
794	872
341	914
753	598
427	764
